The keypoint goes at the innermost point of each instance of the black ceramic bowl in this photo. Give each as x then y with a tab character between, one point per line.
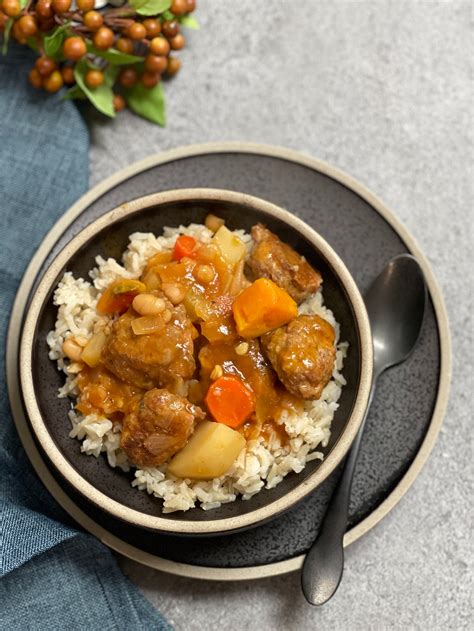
109	488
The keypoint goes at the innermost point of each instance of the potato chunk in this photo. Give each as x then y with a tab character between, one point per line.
210	452
232	248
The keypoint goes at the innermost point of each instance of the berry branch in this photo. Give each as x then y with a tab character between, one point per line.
114	57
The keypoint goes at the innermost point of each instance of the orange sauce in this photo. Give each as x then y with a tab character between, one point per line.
209	305
254	370
103	393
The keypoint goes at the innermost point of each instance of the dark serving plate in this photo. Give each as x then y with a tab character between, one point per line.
407	411
111	489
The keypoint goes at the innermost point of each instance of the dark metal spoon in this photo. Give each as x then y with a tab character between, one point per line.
395	303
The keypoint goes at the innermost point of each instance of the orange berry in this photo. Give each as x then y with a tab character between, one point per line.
159	46
152	27
43	8
150	79
93	20
67	73
174	66
35	78
170	28
85	5
128	77
179	7
17	33
28	26
74	48
11	8
94	78
54	82
61	6
155	63
136	31
103	38
119	102
45	66
124	45
177	42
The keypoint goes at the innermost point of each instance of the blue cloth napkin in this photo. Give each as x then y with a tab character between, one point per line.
53	577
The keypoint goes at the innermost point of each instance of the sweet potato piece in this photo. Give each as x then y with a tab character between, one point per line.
262	307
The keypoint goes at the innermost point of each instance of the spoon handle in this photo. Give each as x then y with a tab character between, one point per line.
324	563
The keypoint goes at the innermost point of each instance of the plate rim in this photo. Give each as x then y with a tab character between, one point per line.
16	319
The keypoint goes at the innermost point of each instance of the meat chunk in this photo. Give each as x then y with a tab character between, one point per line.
271	258
302	354
159	427
161	359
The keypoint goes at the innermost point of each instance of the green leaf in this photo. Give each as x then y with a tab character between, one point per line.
73	93
114	56
189	21
33	44
6	35
167	15
110	75
52	43
102	97
148	103
150	7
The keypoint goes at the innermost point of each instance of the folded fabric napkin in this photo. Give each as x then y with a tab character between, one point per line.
53	576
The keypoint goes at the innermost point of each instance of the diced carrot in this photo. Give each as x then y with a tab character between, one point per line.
230	401
119	295
262	307
184	246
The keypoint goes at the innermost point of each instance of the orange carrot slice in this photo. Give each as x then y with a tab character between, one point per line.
184	246
230	401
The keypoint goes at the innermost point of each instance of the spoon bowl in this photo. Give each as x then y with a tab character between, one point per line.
396	303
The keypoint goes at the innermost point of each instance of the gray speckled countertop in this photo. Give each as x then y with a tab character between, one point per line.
382	90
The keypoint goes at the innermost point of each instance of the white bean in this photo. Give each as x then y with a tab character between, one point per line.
148	305
175	293
72	350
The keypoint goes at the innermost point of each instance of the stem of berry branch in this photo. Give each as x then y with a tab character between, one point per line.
72	15
120	12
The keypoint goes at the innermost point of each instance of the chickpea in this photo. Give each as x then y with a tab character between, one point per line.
213	223
208	252
71	349
217	372
242	348
204	273
175	293
166	315
148	305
